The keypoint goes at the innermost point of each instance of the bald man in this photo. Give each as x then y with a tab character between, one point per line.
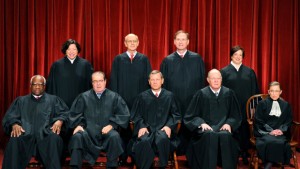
129	77
213	116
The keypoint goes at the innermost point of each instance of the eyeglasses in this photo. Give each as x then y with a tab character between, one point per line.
215	78
98	81
131	41
274	91
37	84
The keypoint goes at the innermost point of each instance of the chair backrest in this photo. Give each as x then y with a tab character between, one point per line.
251	107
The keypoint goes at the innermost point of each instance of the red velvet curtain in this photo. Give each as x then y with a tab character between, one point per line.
32	32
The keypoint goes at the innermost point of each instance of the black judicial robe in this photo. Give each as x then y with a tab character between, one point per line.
183	76
154	113
130	78
215	111
36	117
273	148
93	114
244	84
67	80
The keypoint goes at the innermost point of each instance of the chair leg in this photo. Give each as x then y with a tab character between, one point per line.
295	159
175	160
134	166
256	163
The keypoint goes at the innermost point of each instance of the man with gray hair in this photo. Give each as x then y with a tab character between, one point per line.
213	116
34	123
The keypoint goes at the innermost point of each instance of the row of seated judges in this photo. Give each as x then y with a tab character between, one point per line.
91	120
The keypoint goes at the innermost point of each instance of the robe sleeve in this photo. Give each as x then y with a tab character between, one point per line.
174	115
164	71
76	116
234	119
202	70
259	124
284	127
61	111
136	115
121	113
12	116
254	84
114	76
192	119
50	87
89	71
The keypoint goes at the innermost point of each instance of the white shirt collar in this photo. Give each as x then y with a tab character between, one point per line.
182	53
128	54
72	60
156	92
218	91
237	67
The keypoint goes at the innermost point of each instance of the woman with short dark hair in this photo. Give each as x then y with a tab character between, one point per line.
70	75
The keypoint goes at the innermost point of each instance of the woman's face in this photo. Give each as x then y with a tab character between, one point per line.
275	92
72	51
237	57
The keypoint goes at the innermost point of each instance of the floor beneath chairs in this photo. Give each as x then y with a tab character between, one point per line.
181	161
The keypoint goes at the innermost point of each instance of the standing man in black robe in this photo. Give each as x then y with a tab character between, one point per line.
129	77
213	116
155	116
272	120
96	115
34	123
70	75
242	80
184	73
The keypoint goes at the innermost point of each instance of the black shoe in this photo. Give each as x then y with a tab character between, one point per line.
122	162
245	158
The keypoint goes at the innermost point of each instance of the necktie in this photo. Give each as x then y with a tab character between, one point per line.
131	57
38	97
181	56
217	94
99	95
156	94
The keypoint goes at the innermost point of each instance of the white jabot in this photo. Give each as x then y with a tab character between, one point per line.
275	111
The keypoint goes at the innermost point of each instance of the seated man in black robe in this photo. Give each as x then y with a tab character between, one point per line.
272	120
155	114
34	124
95	117
213	115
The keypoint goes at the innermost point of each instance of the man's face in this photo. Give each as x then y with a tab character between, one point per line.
72	51
98	82
215	80
181	42
237	57
275	92
156	81
131	42
37	86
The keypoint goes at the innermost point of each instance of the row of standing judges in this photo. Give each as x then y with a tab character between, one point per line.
98	113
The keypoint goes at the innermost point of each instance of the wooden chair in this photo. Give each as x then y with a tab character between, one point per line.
172	162
250	110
